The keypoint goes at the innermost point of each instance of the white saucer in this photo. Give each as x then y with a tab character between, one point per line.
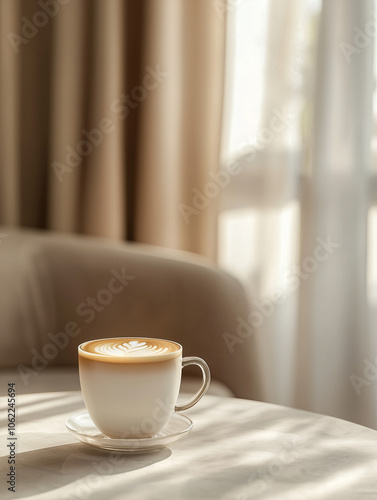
82	427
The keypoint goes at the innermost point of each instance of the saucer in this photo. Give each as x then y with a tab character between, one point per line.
82	427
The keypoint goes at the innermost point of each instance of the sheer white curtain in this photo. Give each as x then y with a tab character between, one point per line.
298	223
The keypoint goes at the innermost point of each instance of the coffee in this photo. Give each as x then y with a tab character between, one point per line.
130	385
127	351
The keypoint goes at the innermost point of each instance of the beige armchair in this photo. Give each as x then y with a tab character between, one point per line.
58	291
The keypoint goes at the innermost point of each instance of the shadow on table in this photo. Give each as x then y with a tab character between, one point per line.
48	469
64	403
286	451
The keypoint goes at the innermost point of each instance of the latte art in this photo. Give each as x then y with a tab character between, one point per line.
130	349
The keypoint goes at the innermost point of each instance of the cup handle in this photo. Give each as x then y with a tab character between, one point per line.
193	360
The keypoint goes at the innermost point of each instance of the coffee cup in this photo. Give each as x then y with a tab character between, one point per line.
130	385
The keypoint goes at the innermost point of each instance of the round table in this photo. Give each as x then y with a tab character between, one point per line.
236	450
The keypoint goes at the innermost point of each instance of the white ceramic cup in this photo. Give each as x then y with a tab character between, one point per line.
130	385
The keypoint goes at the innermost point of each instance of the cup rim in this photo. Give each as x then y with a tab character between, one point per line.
126	360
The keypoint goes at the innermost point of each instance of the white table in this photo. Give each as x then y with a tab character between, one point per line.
237	450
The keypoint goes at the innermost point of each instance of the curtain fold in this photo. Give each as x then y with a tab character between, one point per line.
9	124
68	114
182	123
110	116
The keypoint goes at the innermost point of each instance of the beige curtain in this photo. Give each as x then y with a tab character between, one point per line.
110	115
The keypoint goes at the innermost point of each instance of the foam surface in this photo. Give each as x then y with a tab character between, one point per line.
130	348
